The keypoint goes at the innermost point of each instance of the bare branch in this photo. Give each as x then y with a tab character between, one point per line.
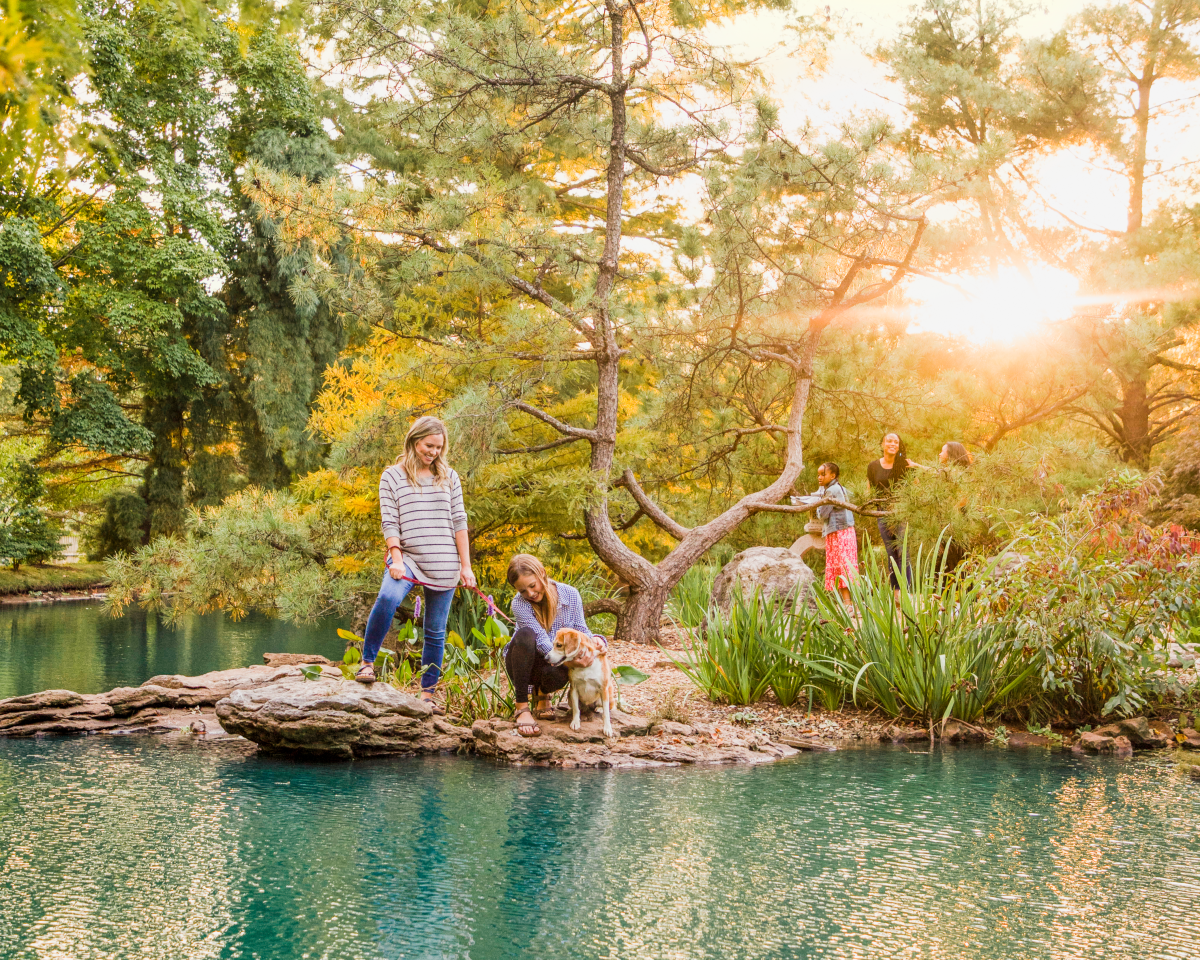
649	507
578	433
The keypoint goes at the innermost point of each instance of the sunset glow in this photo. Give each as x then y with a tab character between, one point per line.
1004	306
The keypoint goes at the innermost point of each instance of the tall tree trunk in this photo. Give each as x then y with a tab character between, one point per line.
1134	412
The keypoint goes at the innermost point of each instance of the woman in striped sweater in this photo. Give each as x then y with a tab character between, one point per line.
425	527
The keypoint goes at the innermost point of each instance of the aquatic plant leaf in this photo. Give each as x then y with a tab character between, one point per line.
624	673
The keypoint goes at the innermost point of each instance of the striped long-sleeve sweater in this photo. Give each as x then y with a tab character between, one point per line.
425	521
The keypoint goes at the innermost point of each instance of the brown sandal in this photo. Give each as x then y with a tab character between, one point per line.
530	727
438	709
365	673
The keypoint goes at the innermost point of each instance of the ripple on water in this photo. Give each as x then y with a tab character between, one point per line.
137	849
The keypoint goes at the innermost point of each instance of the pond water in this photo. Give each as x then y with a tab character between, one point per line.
77	646
138	848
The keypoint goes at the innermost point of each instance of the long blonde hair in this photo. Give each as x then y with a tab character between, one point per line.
409	462
527	565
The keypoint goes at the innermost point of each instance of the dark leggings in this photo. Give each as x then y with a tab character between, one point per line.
529	670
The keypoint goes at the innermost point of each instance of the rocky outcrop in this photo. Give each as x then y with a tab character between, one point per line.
335	718
957	731
1137	730
897	733
160	705
280	711
769	570
637	744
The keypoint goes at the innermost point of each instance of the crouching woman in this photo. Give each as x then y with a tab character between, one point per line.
541	608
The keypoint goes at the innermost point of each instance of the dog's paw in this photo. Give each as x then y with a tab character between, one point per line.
608	731
575	725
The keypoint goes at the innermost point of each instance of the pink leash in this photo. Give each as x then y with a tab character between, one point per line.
493	610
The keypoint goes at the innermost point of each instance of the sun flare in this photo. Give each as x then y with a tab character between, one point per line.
1004	306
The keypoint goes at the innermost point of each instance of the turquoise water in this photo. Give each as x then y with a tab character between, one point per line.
77	646
137	848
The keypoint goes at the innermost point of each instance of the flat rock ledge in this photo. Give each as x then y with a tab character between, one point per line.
162	704
330	718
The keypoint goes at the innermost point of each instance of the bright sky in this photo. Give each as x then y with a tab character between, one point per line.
1002	307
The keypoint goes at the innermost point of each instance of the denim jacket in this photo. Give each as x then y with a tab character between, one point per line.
835	518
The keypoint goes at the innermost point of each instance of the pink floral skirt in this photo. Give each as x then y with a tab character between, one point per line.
841	559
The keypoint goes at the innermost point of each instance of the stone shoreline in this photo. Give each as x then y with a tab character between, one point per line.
331	718
274	707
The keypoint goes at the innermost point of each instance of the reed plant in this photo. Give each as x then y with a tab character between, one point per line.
931	650
689	602
762	643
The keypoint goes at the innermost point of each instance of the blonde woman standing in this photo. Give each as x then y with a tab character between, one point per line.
425	528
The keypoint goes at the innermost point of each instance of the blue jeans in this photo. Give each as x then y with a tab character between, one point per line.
437	611
893	544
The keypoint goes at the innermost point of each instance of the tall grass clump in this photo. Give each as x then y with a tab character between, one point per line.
763	643
690	600
931	651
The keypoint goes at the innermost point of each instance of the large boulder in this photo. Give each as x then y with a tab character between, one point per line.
770	570
332	717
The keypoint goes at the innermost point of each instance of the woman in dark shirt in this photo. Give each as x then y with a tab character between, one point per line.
882	475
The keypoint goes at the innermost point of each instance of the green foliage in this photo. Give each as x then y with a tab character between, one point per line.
60	576
123	528
982	506
142	297
1094	596
760	644
692	596
27	533
628	675
930	651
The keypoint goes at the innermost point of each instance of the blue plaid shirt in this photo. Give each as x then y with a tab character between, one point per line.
569	615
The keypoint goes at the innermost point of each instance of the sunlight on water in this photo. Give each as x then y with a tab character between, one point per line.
135	848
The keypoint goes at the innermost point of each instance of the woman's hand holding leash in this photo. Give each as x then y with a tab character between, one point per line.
467	576
395	562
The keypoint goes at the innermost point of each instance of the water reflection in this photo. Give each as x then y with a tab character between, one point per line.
137	849
78	646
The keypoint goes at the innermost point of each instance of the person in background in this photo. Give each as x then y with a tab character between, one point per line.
841	539
425	527
882	476
954	454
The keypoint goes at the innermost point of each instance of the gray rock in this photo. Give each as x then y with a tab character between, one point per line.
293	659
1137	730
128	709
669	728
334	718
1191	739
770	570
1023	738
337	718
956	731
899	734
1095	742
47	699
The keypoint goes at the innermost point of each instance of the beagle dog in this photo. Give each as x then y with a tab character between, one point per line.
593	684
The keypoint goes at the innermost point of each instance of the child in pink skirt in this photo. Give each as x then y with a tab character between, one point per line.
841	542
